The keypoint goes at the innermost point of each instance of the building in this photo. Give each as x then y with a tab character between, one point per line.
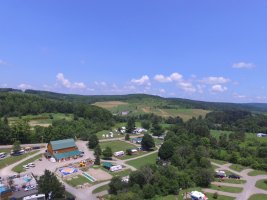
261	135
62	150
137	140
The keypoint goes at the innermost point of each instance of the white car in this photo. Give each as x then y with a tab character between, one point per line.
31	165
26	166
30	187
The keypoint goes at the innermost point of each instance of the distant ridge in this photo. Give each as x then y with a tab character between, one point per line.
185	103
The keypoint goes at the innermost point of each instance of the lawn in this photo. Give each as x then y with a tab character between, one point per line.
6	150
79	180
258	197
19	168
106	132
13	159
257	172
262	184
101	189
227	188
139	153
220	197
229	180
237	167
219	162
117	145
137	163
121	173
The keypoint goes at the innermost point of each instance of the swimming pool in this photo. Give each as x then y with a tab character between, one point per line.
68	170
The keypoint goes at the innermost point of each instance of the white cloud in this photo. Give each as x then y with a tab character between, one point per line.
24	86
186	86
162	91
144	80
101	83
165	79
215	80
2	62
67	84
218	88
243	65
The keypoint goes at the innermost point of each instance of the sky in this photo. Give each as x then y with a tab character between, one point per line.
205	50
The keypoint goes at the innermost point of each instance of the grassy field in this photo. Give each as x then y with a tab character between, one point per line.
116	145
44	119
150	159
79	180
226	188
219	162
13	159
151	106
237	167
217	133
220	197
229	180
101	189
19	168
262	184
139	153
106	132
121	173
257	172
7	150
258	197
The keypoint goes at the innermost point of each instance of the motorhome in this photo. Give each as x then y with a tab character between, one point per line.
118	153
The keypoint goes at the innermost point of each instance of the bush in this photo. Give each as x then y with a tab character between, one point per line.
215	195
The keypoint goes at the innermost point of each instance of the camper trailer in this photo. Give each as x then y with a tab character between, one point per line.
118	153
115	168
195	195
220	174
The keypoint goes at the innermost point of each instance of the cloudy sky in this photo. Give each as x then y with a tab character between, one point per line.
206	50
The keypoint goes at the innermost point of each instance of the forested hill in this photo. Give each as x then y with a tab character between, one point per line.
167	102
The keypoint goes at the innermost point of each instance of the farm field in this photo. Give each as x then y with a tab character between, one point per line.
138	163
44	119
13	159
19	168
116	145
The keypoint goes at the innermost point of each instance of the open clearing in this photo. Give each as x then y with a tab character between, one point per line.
257	172
77	180
262	184
101	189
237	167
116	145
110	104
226	188
258	197
138	163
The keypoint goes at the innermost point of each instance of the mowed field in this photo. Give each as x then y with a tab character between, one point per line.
44	119
151	107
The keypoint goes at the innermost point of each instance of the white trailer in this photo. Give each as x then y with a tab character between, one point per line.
115	168
118	153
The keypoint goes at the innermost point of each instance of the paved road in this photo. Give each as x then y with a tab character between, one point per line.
249	187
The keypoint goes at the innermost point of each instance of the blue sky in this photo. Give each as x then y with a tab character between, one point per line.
206	50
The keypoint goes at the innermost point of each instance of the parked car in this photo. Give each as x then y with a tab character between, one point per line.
26	166
234	176
30	187
2	155
31	165
219	176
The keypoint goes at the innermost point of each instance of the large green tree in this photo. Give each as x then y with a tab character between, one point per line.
130	125
147	142
107	153
48	184
93	141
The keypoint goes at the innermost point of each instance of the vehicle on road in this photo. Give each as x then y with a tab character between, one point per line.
234	176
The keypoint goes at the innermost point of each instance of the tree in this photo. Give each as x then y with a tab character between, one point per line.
49	184
98	150
129	152
116	185
130	125
156	128
127	137
107	153
148	191
93	141
16	146
147	142
145	124
97	160
166	150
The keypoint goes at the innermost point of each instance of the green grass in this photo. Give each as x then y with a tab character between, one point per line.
219	162
237	167
226	188
137	163
117	145
220	197
6	150
101	189
229	180
139	153
19	168
257	172
217	133
13	159
262	184
121	173
79	180
258	197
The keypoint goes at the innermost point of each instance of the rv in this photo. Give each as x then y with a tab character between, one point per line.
195	195
115	168
119	153
220	174
35	197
